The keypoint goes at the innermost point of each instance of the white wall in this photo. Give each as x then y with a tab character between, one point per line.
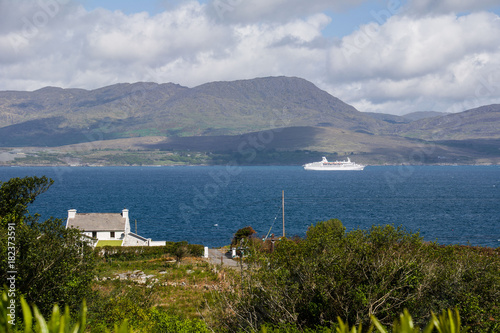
130	240
136	240
105	235
157	243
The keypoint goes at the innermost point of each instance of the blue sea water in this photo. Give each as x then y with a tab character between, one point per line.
206	205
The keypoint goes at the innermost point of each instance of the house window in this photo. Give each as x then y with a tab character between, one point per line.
94	234
112	234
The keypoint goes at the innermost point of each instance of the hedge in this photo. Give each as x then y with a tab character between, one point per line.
147	252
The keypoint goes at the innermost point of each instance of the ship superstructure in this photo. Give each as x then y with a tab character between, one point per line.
324	164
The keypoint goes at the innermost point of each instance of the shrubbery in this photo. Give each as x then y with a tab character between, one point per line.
304	285
54	265
61	322
136	307
242	233
147	252
355	275
161	322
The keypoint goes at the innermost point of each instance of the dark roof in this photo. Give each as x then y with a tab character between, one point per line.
97	222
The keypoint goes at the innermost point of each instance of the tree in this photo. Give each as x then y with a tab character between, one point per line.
17	194
245	232
181	252
54	265
360	274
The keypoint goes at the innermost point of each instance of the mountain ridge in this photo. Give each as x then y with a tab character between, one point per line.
218	108
218	114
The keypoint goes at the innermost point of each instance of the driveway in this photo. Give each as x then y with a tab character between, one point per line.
215	255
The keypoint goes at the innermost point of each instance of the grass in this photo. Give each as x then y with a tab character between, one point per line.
109	243
180	289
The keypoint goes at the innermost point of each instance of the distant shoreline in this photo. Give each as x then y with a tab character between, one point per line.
221	165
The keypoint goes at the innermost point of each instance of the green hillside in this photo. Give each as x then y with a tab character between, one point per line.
272	115
55	117
479	123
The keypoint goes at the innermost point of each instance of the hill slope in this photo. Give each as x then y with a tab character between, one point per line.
55	116
479	123
407	118
223	116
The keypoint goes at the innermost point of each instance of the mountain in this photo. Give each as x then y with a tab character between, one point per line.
423	115
479	123
389	118
55	116
407	118
79	106
272	116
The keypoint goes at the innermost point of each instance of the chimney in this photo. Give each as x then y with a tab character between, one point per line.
127	222
71	213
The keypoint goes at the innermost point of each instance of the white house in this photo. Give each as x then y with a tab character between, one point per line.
108	227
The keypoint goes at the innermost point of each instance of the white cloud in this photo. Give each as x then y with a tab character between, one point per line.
257	50
185	31
406	47
441	58
183	45
244	12
439	7
397	63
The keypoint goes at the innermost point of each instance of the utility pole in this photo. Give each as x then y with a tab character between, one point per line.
136	226
283	210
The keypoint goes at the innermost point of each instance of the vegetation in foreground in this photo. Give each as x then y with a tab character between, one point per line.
305	285
354	275
447	322
165	285
54	265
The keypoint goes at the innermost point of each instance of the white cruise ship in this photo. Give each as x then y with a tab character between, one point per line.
333	166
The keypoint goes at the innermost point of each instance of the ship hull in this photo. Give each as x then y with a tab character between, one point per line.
324	165
339	168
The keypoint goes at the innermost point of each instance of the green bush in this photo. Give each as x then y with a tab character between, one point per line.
55	265
150	320
165	323
126	304
136	307
242	233
447	322
161	322
360	274
147	252
58	322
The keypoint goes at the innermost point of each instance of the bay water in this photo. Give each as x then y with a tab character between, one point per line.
208	204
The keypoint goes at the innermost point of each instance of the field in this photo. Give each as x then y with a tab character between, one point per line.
136	290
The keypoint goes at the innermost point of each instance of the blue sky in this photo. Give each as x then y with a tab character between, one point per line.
128	7
343	22
379	56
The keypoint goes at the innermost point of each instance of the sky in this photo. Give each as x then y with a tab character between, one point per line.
395	56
